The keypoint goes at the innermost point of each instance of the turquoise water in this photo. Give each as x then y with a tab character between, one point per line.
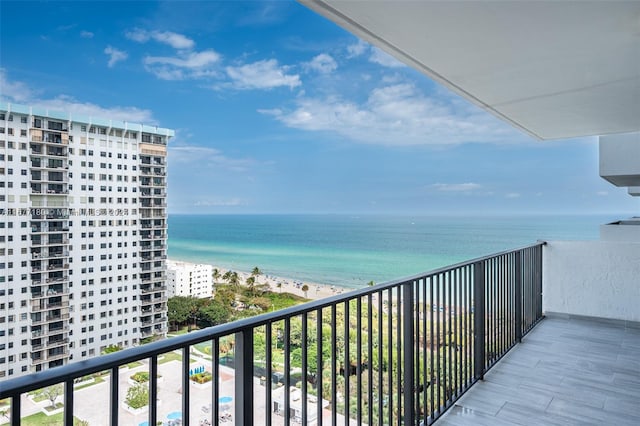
350	251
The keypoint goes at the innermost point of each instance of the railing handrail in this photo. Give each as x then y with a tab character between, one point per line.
105	362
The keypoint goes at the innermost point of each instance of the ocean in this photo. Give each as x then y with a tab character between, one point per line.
351	250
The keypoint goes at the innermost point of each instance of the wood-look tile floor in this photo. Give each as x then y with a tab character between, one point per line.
566	371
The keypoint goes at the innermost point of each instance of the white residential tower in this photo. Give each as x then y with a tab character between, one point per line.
83	233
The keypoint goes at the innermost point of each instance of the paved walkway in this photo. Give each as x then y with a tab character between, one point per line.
565	372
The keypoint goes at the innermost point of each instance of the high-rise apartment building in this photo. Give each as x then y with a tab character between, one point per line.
83	234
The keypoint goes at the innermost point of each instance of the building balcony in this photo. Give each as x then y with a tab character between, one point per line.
45	319
466	344
42	333
43	356
43	305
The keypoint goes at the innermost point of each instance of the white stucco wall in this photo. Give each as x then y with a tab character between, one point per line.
592	278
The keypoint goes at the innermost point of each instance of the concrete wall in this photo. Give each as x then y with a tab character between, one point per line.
592	278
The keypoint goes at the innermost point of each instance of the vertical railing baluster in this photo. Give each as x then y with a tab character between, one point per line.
456	332
113	396
425	356
399	322
538	251
432	382
268	372
243	364
334	373
215	388
380	348
359	360
304	366
518	296
416	347
439	283
370	358
443	320
390	353
153	389
347	363
408	342
448	337
478	316
68	401
185	385
287	371
318	367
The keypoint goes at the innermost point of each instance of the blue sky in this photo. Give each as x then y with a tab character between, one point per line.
277	110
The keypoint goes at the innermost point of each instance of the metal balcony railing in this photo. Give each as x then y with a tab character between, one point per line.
394	353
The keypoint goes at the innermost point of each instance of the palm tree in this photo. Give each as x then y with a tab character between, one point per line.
279	285
256	272
251	284
305	289
234	280
215	275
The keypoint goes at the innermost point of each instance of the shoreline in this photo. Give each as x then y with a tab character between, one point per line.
288	285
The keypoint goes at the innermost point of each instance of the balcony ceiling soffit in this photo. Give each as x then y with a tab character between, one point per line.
552	69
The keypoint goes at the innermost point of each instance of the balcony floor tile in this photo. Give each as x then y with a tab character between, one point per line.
566	371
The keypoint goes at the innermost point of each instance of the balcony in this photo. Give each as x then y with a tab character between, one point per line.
450	339
439	333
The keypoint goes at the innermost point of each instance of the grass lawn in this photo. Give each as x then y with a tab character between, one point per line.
133	364
41	419
284	300
172	356
204	347
96	380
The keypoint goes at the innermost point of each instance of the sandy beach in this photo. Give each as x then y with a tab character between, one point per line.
287	285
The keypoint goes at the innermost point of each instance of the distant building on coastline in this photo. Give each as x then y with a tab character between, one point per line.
83	236
189	279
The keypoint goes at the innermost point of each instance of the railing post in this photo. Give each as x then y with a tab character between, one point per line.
68	402
15	410
243	364
478	320
518	295
113	396
408	342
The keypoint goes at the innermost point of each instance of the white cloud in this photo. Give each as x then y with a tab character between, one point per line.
115	55
141	36
175	40
355	50
456	187
86	34
185	65
14	91
381	57
396	114
323	63
602	193
208	158
19	92
188	60
513	195
264	74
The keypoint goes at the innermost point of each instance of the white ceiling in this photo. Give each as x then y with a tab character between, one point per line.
555	69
